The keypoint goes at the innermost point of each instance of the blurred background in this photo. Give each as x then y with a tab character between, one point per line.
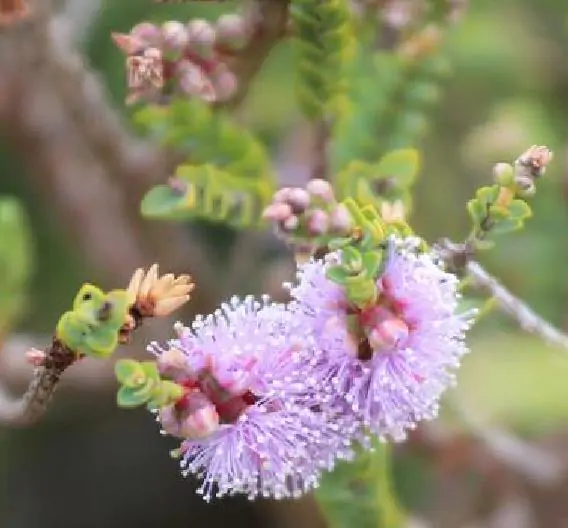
79	174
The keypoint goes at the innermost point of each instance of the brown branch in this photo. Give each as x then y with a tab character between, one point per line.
269	19
321	132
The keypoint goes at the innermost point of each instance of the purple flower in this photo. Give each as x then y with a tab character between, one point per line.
384	367
246	421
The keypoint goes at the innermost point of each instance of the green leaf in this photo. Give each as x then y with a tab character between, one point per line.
401	165
360	493
372	262
477	211
212	194
498	213
487	195
161	202
351	258
339	243
228	172
129	373
92	326
151	371
337	274
507	226
323	41
166	393
519	210
361	290
129	398
100	342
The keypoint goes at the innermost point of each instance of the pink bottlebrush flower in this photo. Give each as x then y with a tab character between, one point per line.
385	367
247	421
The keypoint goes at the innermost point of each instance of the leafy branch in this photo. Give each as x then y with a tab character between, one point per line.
95	325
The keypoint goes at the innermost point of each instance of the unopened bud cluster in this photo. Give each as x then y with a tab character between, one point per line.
528	167
307	217
183	59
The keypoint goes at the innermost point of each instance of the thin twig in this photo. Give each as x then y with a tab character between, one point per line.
526	318
33	404
269	20
321	139
528	460
150	296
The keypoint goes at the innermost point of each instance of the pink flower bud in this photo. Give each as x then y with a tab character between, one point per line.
148	33
322	189
197	418
299	199
194	82
277	212
291	223
388	334
225	83
171	362
318	222
232	31
201	423
340	220
201	37
175	37
281	195
128	44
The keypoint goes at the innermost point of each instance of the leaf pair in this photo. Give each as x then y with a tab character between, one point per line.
388	180
91	328
490	213
141	385
357	274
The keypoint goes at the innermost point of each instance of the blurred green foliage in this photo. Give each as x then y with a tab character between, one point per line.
15	262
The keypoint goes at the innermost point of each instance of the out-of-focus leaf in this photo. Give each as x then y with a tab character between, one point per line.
360	493
15	261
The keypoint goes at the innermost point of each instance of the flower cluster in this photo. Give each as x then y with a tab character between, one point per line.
245	418
383	367
184	59
274	394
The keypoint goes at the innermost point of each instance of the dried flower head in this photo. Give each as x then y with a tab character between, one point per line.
188	62
536	158
11	11
385	366
155	296
247	422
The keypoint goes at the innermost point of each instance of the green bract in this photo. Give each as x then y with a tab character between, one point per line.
141	385
91	328
362	254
